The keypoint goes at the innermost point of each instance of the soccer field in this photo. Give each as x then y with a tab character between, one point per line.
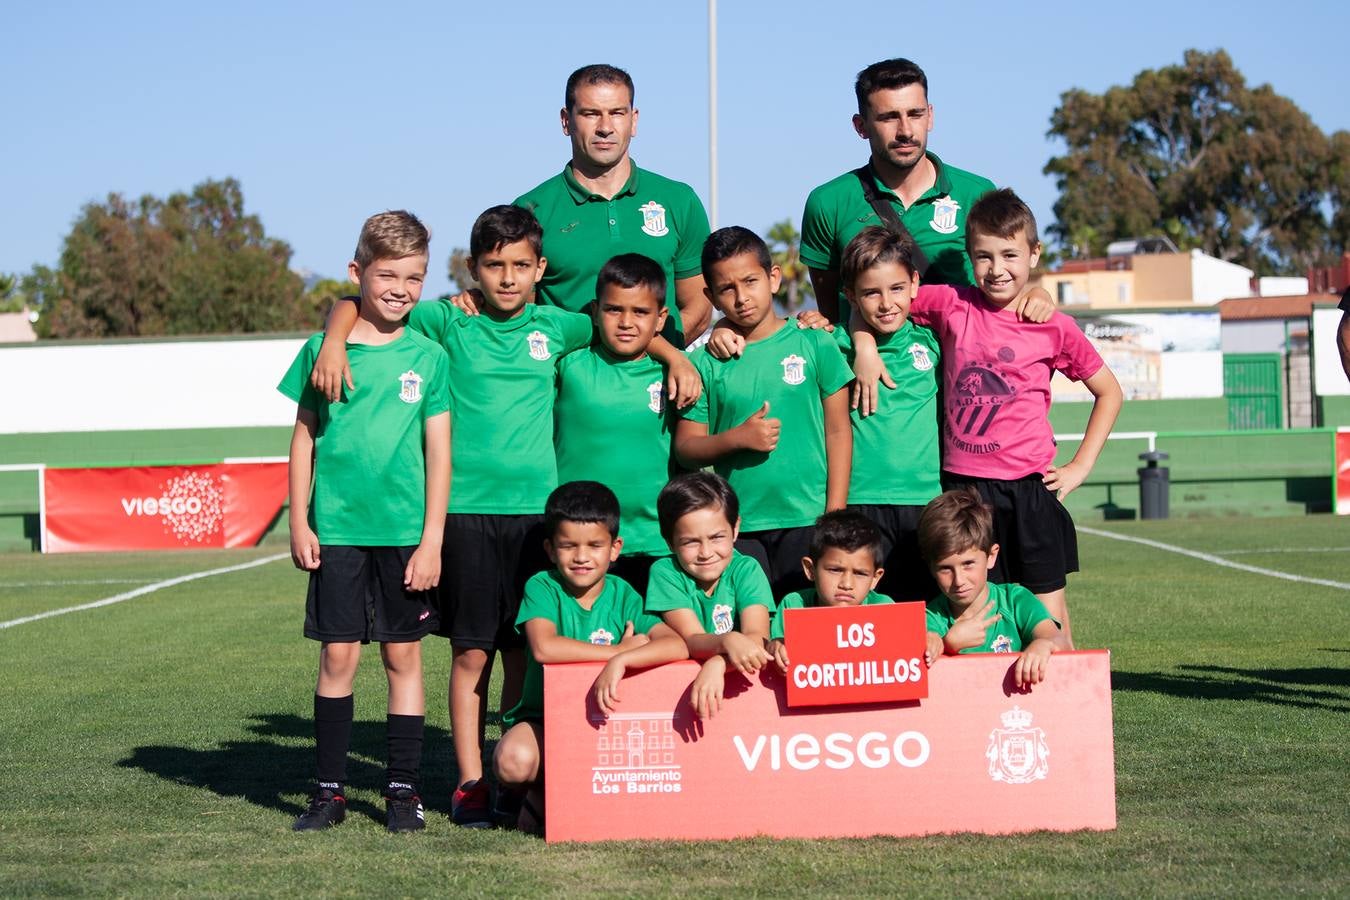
162	744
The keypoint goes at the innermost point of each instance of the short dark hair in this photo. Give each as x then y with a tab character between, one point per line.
630	270
848	531
1002	214
871	247
953	522
502	225
733	240
887	75
691	492
581	501
597	73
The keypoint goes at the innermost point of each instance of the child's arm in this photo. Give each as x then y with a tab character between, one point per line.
664	646
1034	305
838	449
778	650
694	307
970	627
933	648
868	368
707	688
744	650
424	568
304	542
1035	656
683	384
330	368
695	448
550	647
1105	407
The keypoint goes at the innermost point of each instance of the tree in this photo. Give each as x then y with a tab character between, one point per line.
459	269
11	299
189	264
784	242
1192	152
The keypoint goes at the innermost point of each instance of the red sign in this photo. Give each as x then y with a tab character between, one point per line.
160	507
976	755
1342	472
855	654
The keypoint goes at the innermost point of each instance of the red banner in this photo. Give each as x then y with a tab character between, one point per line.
855	654
976	755
1342	472
160	507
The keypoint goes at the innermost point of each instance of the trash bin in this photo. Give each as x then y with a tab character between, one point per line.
1154	485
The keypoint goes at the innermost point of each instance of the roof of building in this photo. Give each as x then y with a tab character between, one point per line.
1238	309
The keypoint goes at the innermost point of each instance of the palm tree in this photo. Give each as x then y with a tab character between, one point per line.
784	242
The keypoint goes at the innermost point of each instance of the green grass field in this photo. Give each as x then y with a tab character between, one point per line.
162	746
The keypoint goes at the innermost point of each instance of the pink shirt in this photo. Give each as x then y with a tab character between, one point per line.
996	379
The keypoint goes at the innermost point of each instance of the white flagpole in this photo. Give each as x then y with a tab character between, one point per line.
712	112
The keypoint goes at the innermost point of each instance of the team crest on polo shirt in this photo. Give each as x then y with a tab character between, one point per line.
944	215
721	618
538	342
656	397
922	361
601	636
1002	644
654	219
794	369
410	387
1017	753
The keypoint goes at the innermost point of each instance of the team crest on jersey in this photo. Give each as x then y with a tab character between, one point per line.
794	369
538	342
1002	644
410	387
601	636
656	397
721	618
1017	752
944	215
922	361
654	219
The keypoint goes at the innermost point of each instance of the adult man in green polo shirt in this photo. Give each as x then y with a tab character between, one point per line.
930	197
602	204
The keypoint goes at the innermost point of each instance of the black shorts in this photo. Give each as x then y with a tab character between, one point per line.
485	562
635	570
1038	545
357	594
779	551
907	576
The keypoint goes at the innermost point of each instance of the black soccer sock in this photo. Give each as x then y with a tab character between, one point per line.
404	736
332	737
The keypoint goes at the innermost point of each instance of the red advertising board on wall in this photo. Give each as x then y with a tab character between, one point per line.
160	507
976	755
1343	472
855	654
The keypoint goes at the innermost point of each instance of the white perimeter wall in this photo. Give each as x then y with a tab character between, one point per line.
125	387
1328	376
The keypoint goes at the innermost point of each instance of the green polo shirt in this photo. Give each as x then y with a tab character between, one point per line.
1020	610
651	215
742	585
809	598
836	212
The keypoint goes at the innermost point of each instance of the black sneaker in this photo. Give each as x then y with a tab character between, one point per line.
506	810
470	806
326	809
403	810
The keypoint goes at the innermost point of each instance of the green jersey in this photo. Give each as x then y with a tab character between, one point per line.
1021	612
743	584
611	425
651	215
369	464
547	598
836	211
794	370
895	450
808	598
501	397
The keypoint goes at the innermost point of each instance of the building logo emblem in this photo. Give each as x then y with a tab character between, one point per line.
944	215
922	361
656	397
654	219
601	636
410	387
635	754
721	618
538	345
1017	752
794	369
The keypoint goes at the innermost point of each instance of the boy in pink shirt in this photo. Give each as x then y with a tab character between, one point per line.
996	378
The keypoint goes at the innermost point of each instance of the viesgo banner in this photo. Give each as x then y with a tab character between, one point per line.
160	507
1342	472
976	755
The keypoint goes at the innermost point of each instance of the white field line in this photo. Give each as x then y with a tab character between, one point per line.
19	584
148	589
1216	560
1283	550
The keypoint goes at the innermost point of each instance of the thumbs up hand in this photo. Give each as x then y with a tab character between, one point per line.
759	432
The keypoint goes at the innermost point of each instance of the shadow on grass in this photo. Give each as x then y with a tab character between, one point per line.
1288	687
266	769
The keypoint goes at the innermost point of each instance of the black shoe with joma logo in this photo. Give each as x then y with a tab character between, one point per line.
326	809
403	809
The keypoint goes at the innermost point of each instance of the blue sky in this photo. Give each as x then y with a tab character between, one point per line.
330	111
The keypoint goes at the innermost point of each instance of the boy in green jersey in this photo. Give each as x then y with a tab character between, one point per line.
971	615
716	599
790	467
611	421
379	464
573	612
